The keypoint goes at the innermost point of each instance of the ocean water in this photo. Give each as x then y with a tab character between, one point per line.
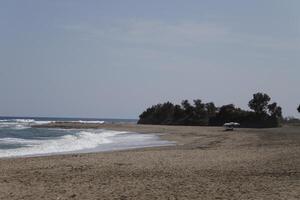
19	139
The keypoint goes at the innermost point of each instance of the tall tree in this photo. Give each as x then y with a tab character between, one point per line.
259	103
226	111
187	107
274	110
188	112
199	108
210	109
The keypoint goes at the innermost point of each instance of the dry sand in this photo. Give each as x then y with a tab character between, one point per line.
207	163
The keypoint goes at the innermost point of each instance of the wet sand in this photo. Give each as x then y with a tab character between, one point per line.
206	163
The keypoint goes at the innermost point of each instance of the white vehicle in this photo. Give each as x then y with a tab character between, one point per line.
230	126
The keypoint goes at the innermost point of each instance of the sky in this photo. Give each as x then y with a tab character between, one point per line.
114	58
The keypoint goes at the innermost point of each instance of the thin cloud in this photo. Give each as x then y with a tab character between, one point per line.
143	32
180	34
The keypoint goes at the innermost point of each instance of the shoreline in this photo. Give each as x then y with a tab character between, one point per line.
207	163
120	140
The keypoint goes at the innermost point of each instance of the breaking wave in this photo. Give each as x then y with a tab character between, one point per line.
67	143
89	122
27	123
18	138
20	123
36	142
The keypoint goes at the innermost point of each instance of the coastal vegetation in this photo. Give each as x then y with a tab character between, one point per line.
263	114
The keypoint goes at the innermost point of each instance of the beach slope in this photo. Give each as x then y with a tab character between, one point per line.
206	163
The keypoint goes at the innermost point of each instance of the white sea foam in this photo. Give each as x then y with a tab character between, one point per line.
16	123
20	127
15	143
42	122
68	143
27	123
90	122
24	120
20	124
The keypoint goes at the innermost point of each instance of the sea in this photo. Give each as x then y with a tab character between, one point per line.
19	139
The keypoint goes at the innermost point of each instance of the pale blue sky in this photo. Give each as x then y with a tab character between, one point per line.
114	58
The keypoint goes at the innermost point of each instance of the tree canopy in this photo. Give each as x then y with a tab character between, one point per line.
200	113
298	109
259	103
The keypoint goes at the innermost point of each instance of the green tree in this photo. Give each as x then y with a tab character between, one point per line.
199	108
211	109
298	109
188	112
186	105
200	114
199	105
275	111
178	115
259	103
188	108
227	111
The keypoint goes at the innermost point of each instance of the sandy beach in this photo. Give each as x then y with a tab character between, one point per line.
206	163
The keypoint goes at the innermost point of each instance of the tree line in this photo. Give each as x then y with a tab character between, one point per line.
262	114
